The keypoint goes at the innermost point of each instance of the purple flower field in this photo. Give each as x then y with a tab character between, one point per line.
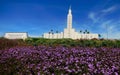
44	60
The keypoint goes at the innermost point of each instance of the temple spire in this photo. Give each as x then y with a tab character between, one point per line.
70	9
69	19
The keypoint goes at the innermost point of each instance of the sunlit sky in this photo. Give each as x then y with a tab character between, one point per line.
40	16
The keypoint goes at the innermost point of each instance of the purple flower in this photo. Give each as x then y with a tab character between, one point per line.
62	59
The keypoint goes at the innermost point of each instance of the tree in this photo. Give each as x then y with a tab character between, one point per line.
49	34
80	31
51	30
99	35
83	35
52	35
86	31
57	33
83	32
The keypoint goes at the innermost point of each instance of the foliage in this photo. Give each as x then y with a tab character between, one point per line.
5	43
38	60
82	43
39	56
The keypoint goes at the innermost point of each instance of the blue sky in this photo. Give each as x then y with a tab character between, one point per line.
40	16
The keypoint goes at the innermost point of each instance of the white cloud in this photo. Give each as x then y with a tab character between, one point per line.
92	16
100	15
110	9
110	26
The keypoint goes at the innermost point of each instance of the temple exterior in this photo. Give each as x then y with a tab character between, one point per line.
70	32
14	35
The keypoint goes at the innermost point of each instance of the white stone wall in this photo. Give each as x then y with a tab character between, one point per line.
16	35
73	35
53	36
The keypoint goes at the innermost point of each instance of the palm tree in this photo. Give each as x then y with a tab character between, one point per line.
83	35
86	31
52	32
99	35
52	35
57	33
49	34
83	32
80	31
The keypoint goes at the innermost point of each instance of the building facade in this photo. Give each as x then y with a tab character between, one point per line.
14	35
70	32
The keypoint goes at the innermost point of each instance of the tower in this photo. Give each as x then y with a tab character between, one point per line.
69	19
70	32
69	22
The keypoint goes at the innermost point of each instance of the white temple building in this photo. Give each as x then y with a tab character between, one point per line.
70	32
16	35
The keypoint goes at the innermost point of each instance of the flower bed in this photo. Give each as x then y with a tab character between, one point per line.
37	60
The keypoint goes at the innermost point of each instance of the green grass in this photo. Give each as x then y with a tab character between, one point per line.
5	43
